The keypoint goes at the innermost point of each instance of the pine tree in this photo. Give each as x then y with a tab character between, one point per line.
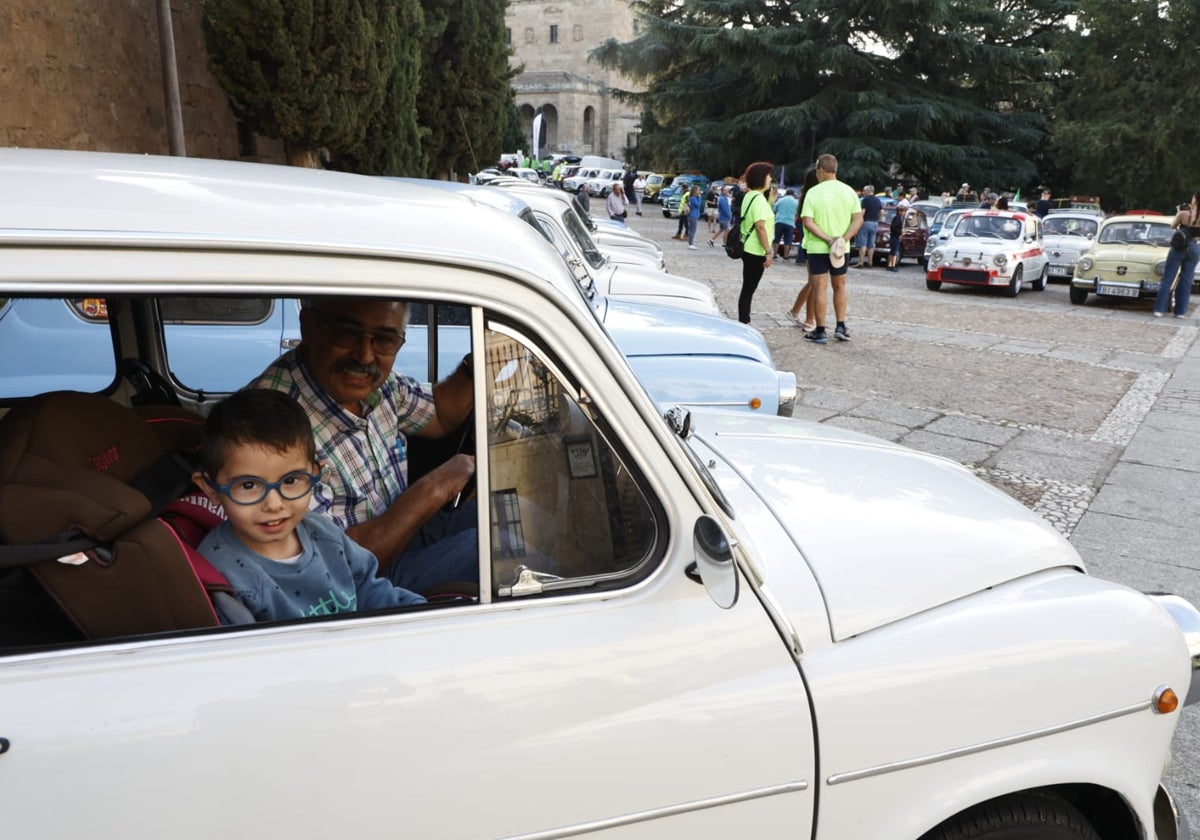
311	72
466	85
935	91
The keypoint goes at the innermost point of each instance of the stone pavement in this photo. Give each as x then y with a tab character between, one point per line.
1089	415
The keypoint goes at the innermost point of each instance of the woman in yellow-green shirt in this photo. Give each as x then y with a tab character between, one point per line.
757	225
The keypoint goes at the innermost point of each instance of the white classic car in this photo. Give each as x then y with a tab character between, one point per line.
735	625
1065	236
991	248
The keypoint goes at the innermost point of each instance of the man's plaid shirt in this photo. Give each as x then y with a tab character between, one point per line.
365	458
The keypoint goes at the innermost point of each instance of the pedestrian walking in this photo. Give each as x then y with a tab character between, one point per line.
896	247
1181	265
724	216
832	217
681	210
804	297
872	207
639	192
615	204
787	208
695	205
757	223
584	199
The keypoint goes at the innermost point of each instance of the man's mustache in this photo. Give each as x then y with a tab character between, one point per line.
347	365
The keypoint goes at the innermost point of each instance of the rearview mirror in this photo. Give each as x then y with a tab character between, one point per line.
714	562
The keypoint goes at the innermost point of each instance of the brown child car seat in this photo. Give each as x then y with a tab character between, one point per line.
83	481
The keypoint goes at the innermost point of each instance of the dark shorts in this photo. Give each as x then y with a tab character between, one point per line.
819	264
784	233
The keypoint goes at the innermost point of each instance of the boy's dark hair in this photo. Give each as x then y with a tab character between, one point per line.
257	416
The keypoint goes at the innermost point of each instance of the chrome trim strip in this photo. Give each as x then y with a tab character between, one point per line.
932	758
658	813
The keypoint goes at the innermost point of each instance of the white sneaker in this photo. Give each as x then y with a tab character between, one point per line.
693	248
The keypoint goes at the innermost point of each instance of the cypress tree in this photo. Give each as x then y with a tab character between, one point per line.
313	73
466	85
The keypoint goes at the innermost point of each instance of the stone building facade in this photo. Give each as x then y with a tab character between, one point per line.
552	40
87	74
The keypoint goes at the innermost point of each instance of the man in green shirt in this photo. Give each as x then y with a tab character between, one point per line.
831	214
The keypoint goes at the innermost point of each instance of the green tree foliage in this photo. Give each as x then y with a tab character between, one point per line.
1124	124
311	72
937	91
393	141
466	84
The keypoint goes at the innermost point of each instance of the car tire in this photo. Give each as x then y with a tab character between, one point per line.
933	285
1039	285
1078	295
1026	816
1014	285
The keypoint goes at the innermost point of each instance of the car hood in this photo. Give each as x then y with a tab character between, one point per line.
887	532
648	285
645	329
1115	254
1065	245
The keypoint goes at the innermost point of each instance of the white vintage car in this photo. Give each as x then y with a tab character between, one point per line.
735	625
991	248
1066	235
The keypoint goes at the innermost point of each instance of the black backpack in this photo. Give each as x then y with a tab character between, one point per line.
735	245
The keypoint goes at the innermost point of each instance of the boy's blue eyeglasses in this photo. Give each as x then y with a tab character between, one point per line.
250	489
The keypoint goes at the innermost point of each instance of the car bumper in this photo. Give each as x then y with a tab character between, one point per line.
968	276
1117	288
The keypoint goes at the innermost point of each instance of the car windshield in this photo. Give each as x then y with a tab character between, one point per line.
1067	226
989	227
1136	233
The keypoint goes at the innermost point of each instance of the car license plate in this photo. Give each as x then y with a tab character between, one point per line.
1118	291
1058	268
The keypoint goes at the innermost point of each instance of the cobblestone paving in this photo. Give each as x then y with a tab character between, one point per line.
1034	394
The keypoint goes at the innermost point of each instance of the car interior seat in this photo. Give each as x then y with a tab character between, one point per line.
84	486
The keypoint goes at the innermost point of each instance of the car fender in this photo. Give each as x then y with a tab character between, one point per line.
1045	680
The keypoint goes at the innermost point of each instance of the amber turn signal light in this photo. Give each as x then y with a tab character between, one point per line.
1165	700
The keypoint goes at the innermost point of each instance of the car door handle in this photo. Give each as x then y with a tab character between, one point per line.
289	343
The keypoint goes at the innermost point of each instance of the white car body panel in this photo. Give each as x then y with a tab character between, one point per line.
933	642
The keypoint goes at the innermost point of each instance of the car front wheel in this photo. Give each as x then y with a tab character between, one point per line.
933	285
1014	285
1078	295
1021	817
1039	285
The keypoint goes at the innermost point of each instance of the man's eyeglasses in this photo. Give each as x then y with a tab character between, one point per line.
346	336
250	489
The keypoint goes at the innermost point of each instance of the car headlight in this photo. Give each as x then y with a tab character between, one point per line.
1000	260
1085	264
1160	267
936	256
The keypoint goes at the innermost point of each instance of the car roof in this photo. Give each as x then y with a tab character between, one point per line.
1138	217
103	198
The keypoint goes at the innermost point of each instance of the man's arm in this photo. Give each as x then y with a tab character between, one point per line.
387	534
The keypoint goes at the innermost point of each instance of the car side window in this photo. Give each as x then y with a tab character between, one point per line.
218	344
55	344
569	511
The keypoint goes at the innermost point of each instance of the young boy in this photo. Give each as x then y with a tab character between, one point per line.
260	466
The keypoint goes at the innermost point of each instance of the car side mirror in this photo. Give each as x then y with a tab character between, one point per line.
714	562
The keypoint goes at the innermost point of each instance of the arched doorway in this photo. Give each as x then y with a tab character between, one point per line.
589	128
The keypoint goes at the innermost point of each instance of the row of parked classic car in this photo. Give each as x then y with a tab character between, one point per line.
737	621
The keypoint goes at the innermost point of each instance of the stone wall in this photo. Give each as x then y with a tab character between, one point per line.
86	74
